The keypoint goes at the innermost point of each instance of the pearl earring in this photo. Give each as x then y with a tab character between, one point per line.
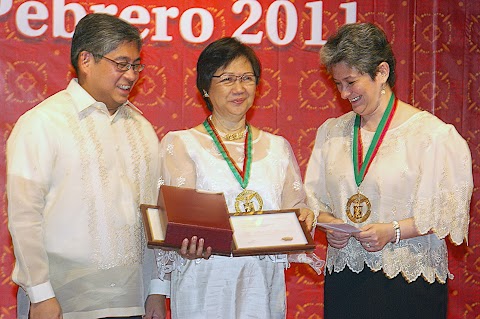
205	94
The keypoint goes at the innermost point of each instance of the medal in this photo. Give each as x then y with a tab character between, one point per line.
357	202
246	200
355	207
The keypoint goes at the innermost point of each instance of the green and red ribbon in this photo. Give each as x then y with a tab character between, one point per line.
242	176
361	166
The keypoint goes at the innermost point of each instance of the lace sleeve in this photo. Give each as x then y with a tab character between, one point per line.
315	174
176	166
167	261
310	259
444	191
293	193
172	153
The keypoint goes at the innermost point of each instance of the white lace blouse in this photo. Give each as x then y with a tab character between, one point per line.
423	170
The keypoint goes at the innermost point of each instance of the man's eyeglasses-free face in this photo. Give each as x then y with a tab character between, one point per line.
124	66
229	78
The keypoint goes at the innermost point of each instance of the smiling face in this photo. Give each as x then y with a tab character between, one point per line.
231	102
363	93
104	81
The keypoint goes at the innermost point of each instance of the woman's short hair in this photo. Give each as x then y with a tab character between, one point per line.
219	54
362	46
99	34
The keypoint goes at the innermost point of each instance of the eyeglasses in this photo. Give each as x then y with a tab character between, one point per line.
124	66
230	79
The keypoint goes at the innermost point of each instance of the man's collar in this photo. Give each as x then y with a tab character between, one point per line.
83	100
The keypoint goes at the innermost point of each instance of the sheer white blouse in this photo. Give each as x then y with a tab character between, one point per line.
226	287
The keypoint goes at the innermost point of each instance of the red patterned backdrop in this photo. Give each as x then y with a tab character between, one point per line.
436	44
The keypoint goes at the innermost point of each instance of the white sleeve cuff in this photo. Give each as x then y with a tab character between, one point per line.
40	292
159	287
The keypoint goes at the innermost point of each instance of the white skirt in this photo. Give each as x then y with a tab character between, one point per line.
229	288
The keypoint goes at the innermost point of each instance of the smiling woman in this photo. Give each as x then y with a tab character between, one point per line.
255	171
372	168
230	96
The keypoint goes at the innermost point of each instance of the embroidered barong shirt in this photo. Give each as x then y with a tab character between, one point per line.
75	179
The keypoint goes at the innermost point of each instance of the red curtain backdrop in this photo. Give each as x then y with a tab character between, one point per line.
436	44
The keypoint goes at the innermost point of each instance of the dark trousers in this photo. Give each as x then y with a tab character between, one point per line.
371	295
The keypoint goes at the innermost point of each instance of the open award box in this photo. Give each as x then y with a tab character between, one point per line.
185	212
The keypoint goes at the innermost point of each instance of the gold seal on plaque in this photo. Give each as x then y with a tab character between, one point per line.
356	206
248	202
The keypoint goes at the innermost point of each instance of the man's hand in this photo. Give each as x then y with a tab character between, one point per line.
155	307
47	309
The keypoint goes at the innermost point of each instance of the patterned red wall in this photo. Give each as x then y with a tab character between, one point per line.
437	45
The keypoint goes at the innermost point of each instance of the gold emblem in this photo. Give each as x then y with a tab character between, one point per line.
355	208
234	136
248	202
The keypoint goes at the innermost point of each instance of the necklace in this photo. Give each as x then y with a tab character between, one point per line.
230	136
233	136
245	201
360	166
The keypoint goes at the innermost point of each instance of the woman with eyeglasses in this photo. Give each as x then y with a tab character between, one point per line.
254	169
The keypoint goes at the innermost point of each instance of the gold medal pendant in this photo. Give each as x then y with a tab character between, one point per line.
248	202
355	208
